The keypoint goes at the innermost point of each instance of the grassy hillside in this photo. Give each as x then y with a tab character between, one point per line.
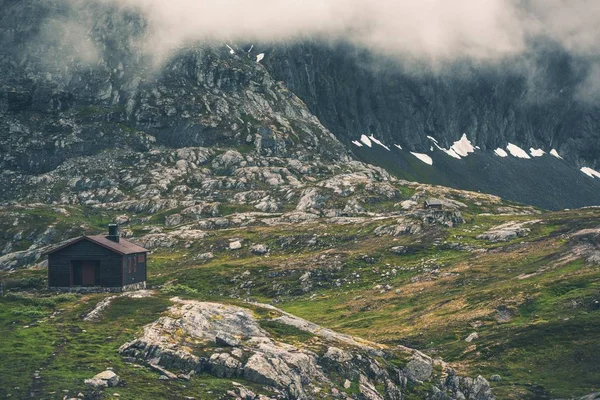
533	301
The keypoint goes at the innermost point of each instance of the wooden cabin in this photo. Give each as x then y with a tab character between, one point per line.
102	263
433	204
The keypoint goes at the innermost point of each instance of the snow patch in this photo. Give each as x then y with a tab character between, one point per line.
463	146
536	152
554	153
460	148
231	50
251	47
516	151
423	157
398	146
366	140
590	172
501	152
357	143
260	57
451	153
378	142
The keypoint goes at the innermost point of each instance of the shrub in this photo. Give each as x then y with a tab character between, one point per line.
31	312
178	289
49	301
25	283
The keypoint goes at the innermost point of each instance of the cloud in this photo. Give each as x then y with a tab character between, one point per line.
436	30
572	23
419	33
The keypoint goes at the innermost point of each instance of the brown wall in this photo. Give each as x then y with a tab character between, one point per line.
137	272
108	275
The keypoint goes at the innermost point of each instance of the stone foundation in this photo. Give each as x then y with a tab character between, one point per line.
99	289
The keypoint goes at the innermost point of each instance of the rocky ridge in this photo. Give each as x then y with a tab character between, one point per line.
240	343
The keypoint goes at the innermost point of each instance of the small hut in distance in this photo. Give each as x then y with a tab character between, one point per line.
435	204
104	263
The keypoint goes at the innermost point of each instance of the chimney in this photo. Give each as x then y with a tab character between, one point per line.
113	233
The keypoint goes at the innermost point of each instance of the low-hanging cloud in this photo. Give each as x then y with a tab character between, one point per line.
437	30
430	33
433	30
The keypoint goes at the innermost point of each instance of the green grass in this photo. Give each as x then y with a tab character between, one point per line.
285	332
548	348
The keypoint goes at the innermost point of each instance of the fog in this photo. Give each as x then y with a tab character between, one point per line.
429	33
432	30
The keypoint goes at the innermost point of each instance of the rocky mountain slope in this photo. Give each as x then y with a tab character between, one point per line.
354	92
54	109
545	181
75	81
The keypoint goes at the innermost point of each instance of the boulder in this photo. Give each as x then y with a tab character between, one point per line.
121	220
419	368
205	256
399	250
259	249
472	337
103	380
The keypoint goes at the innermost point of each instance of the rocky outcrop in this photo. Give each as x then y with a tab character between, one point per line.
507	231
19	259
464	388
252	344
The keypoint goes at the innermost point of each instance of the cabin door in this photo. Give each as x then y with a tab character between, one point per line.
84	272
88	273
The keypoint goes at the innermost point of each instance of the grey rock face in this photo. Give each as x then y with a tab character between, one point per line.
297	372
419	368
60	108
493	106
506	232
19	259
466	388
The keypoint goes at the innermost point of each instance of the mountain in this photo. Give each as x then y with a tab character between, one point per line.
355	93
66	93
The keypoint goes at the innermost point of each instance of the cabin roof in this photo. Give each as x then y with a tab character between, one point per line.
124	247
434	202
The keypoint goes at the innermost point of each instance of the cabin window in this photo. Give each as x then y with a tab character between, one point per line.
141	258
